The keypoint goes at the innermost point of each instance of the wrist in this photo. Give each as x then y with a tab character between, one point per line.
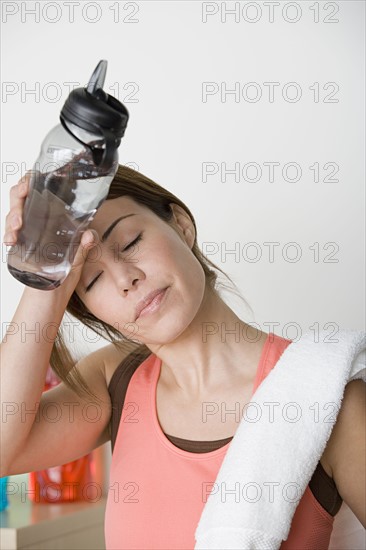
57	298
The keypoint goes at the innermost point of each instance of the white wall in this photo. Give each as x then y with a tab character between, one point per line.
157	66
159	55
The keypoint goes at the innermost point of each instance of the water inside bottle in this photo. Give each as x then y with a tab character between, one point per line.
60	205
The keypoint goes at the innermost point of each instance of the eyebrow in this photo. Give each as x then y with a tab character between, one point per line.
108	231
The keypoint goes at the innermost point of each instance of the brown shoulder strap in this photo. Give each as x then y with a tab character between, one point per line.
118	384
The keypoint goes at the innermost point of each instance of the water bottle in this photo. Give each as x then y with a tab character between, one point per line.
68	182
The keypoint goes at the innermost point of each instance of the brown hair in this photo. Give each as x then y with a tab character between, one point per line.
131	183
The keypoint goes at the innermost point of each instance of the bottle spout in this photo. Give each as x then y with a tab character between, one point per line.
97	79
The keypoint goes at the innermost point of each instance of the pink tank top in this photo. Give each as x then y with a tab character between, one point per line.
155	488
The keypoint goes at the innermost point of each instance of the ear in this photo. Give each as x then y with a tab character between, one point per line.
183	224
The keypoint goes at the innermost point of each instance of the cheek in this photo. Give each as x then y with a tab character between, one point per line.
106	303
187	271
112	314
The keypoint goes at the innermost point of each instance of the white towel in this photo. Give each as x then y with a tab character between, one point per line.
304	391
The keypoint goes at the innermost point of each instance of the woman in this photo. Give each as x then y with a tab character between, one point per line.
172	384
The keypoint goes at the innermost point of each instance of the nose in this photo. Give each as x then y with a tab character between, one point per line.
126	277
127	285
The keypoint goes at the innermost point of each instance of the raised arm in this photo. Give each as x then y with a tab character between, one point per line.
25	356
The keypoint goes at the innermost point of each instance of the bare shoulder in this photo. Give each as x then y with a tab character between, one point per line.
113	355
347	432
346	449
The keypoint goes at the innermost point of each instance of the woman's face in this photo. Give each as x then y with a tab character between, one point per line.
114	279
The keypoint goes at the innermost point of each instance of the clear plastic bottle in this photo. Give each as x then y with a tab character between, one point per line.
69	181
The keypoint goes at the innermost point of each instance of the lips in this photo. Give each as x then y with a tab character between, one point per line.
147	300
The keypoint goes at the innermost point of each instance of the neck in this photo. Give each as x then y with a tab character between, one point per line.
216	347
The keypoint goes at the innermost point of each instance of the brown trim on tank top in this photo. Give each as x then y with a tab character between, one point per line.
321	484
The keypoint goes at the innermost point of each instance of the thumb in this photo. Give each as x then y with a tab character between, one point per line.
89	237
88	240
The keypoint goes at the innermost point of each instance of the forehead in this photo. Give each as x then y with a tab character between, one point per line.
111	209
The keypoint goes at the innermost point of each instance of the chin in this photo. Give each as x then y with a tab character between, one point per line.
162	331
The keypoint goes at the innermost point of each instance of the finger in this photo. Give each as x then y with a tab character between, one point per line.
89	239
9	238
18	194
19	191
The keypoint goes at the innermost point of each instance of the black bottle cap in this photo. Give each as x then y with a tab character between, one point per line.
95	111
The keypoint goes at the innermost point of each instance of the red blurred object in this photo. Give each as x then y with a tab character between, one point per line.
70	482
75	481
51	379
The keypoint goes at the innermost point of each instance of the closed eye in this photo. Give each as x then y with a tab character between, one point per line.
138	238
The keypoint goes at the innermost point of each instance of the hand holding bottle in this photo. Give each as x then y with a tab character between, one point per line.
69	181
14	222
